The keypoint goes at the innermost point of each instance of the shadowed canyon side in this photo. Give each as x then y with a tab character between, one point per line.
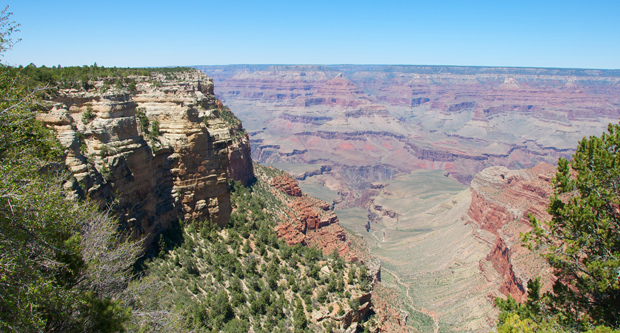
379	121
160	152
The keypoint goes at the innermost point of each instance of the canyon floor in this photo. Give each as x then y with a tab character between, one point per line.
394	149
427	251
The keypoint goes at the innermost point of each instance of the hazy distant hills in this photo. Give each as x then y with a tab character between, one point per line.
385	120
463	70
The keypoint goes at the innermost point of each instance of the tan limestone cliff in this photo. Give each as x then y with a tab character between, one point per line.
155	154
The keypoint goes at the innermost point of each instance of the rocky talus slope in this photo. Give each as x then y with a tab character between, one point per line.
156	153
304	220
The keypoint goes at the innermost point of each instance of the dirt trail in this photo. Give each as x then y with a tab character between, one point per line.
411	303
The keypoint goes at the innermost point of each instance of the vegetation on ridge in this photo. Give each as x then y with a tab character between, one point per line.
82	77
64	265
243	277
67	76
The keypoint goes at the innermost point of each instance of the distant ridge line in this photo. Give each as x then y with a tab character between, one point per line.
428	69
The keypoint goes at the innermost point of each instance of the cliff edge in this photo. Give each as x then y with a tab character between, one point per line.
157	149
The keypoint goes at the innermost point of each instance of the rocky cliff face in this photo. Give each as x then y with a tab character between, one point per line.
306	220
162	151
502	199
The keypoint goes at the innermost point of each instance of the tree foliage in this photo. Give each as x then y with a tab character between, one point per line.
582	240
7	28
64	265
216	278
67	267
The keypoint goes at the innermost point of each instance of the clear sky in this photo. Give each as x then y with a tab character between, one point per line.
578	34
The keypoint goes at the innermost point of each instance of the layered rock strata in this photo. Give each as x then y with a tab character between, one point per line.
155	154
502	200
388	120
303	219
452	249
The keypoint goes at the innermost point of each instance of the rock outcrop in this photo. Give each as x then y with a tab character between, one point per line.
306	220
154	154
452	249
501	201
287	185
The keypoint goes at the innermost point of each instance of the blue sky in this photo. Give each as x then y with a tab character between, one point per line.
575	34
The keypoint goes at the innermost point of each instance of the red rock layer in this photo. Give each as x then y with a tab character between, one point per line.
287	185
500	256
490	215
306	220
501	202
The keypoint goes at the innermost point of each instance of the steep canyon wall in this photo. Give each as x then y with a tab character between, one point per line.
452	249
161	152
502	200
